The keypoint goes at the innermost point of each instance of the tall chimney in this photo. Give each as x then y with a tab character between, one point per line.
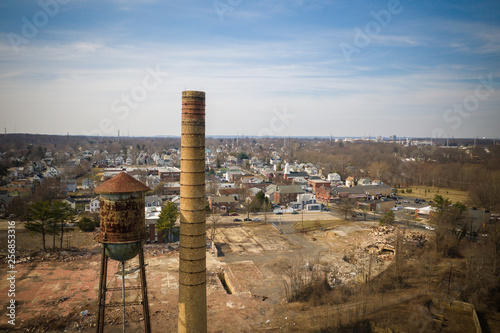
192	253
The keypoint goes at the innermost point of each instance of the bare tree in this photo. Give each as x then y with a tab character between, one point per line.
304	278
214	220
346	207
212	188
494	236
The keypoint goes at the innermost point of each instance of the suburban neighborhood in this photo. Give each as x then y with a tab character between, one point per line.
267	201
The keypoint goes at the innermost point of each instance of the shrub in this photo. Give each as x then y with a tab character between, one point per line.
87	224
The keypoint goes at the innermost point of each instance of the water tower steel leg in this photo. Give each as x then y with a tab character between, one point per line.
144	289
102	290
123	293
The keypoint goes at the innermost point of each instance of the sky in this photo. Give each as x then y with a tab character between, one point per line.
345	68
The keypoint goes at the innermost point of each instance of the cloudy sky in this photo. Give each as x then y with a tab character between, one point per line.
268	67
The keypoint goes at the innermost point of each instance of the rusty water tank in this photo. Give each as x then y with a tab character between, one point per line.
123	224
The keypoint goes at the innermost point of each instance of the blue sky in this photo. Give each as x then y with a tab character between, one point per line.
296	67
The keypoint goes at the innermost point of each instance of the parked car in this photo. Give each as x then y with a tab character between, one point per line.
247	219
295	212
279	213
257	219
233	214
236	220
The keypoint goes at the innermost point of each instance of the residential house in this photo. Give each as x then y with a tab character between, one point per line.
68	185
93	206
334	178
363	182
222	203
87	184
38	177
229	191
274	161
13	173
152	201
233	174
300	181
17	191
249	185
283	194
311	170
254	190
153	235
350	182
176	200
297	174
303	201
153	181
52	172
19	183
71	202
172	188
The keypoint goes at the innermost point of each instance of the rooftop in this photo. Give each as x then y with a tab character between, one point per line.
122	183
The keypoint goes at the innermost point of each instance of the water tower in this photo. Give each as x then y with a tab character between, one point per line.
122	234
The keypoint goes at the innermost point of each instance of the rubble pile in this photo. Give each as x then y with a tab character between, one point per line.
387	235
370	256
62	256
159	249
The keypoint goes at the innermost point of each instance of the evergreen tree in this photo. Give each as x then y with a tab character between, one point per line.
39	218
167	219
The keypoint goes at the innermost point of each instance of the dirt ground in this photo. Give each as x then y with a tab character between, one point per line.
245	285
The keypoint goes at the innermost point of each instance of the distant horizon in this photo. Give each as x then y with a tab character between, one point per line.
264	137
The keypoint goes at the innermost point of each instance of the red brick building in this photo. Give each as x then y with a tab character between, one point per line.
222	203
329	195
317	183
283	194
169	174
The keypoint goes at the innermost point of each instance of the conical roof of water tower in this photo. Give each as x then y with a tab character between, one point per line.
122	183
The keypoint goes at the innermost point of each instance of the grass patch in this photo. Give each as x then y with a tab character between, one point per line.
309	225
428	192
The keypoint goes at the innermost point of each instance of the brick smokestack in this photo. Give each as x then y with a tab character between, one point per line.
192	253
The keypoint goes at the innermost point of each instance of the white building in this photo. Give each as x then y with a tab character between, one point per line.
287	168
334	178
305	201
93	207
